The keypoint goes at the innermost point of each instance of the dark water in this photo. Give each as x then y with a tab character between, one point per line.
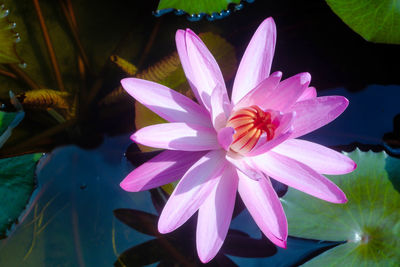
70	220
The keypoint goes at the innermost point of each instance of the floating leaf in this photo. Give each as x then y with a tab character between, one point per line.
163	69
45	98
10	120
127	67
376	21
8	38
216	9
369	222
5	120
16	186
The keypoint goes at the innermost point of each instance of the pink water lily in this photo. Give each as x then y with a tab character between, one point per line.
219	146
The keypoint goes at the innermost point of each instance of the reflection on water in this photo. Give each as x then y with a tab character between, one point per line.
368	117
71	221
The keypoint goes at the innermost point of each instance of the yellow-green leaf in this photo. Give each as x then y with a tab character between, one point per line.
8	38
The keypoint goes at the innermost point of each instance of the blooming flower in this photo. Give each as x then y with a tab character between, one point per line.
219	145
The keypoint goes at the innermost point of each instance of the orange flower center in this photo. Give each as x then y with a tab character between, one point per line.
251	124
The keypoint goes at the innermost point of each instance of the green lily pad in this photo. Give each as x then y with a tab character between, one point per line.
197	7
376	21
369	222
16	186
6	118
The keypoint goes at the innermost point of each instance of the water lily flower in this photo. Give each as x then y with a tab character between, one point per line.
219	146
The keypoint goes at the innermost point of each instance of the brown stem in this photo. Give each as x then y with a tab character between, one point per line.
49	45
8	74
70	16
150	43
23	76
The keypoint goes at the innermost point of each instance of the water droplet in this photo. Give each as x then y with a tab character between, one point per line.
4	12
211	17
179	12
23	65
238	7
157	13
12	25
195	17
17	38
161	12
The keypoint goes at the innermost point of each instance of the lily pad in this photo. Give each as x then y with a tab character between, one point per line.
376	21
196	7
369	222
6	118
16	186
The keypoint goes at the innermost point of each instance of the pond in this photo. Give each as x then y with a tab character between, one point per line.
78	215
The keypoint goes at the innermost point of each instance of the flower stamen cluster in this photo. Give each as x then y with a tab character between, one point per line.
250	124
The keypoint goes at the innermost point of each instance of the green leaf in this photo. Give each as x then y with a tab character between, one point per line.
8	38
196	6
376	21
7	122
369	222
16	186
5	119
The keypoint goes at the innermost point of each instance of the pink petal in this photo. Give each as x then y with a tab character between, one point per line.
177	136
259	95
244	165
215	216
299	176
309	93
206	74
314	113
167	103
283	132
180	39
256	62
319	158
225	137
265	208
164	168
190	193
287	92
220	108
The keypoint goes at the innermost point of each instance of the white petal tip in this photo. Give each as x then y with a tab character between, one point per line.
269	21
133	138
277	74
163	229
305	78
124	186
205	258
